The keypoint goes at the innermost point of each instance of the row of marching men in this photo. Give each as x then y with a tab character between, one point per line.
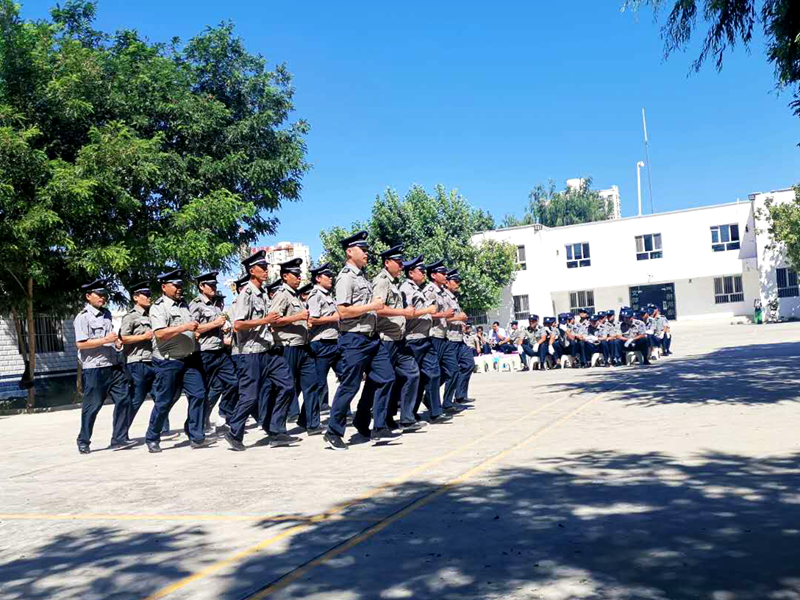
399	343
639	332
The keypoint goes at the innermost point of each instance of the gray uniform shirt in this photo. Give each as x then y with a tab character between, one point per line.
455	329
417	328
384	286
286	303
636	328
613	329
137	322
204	311
321	304
353	289
167	313
90	324
436	295
516	336
252	303
535	335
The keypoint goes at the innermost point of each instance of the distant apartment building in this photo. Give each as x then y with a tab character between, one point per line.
283	251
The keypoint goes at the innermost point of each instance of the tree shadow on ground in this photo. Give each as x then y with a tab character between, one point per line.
96	562
588	525
758	374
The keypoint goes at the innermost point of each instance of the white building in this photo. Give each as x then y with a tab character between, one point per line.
283	251
56	356
708	262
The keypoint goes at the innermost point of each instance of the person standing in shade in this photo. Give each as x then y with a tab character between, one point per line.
136	335
101	375
418	338
361	350
391	331
220	374
176	363
261	367
324	333
445	353
291	336
456	388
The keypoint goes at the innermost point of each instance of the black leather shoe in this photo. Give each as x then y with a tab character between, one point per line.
234	443
122	445
314	431
453	410
363	432
153	447
392	424
334	441
443	418
204	443
84	449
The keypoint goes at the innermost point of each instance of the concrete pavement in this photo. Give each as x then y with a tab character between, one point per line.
678	481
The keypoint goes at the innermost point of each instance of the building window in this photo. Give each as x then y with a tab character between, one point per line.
578	255
787	283
728	289
49	335
648	246
478	318
579	300
521	308
724	237
521	262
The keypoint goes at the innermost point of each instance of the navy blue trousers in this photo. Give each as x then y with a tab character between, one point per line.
266	382
406	380
301	365
222	383
361	354
526	350
466	366
142	377
448	363
455	385
641	345
544	352
428	363
326	357
98	384
667	344
172	376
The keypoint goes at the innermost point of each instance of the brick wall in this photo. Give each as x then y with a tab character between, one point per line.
50	364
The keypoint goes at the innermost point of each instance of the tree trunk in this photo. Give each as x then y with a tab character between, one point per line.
31	346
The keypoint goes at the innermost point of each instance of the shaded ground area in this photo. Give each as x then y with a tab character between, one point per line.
676	482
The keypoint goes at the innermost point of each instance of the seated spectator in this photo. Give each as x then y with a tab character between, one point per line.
471	340
483	343
499	340
496	335
516	339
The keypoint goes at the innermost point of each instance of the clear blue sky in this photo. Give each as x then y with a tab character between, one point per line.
495	98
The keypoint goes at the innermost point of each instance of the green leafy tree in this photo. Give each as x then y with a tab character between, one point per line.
552	208
121	157
438	225
783	226
732	22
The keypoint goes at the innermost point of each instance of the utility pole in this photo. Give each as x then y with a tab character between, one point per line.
647	158
639	166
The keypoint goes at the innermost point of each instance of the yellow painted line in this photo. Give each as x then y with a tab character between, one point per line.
192	518
327	515
301	571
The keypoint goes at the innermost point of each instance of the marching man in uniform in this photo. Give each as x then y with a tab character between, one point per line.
218	368
101	375
175	362
361	350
